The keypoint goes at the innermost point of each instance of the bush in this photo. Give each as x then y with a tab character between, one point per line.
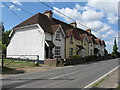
76	57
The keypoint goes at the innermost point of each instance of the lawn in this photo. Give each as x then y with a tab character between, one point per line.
17	63
15	66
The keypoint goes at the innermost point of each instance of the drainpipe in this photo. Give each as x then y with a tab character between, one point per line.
65	47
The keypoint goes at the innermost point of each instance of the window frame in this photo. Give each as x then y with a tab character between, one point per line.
70	51
57	35
57	51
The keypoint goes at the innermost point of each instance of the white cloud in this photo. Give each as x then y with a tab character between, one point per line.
111	32
109	43
72	13
92	15
12	7
109	7
96	15
113	20
16	2
2	6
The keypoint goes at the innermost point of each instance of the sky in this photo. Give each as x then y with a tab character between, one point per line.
100	16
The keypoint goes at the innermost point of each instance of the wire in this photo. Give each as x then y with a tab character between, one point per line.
12	11
65	15
21	8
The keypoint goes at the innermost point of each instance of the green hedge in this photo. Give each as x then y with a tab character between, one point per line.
80	60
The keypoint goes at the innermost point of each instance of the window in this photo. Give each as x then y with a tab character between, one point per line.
90	52
57	51
58	35
71	52
71	38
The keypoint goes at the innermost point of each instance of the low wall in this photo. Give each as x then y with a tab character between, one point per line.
53	62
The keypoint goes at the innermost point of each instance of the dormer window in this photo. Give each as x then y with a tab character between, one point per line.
58	35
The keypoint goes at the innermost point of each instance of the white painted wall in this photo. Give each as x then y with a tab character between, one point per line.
59	43
27	41
48	36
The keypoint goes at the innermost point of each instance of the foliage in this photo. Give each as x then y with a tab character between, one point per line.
115	48
76	57
5	37
5	40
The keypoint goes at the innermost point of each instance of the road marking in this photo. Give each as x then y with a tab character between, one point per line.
88	86
63	75
20	86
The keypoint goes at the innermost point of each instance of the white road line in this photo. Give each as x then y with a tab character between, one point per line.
88	86
63	75
20	86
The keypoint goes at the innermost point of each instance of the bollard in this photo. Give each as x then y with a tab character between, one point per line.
37	62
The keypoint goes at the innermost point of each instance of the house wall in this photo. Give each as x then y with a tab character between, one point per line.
27	41
60	43
91	48
48	36
102	50
81	52
85	44
70	45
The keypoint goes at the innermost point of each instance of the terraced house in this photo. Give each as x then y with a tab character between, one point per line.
48	37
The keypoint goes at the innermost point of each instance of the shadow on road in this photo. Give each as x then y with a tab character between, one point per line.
7	70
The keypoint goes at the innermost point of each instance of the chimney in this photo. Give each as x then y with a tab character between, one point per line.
48	13
88	30
74	24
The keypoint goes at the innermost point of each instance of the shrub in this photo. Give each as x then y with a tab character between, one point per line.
76	57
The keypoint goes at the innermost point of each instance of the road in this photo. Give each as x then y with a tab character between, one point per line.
77	76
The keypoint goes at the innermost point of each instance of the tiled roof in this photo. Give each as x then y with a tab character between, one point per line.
40	19
82	36
98	41
50	25
69	32
55	27
48	11
90	38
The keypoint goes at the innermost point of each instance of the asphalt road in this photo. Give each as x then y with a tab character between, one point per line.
77	76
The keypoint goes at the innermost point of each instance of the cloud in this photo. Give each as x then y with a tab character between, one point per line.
110	8
92	15
109	43
112	20
111	32
16	2
96	15
2	6
12	7
67	11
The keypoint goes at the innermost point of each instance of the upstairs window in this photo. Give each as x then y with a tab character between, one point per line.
58	35
71	38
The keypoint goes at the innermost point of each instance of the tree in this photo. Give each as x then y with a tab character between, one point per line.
115	48
5	39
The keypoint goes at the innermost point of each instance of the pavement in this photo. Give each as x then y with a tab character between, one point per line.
76	77
110	81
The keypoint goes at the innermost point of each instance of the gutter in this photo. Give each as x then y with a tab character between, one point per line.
21	28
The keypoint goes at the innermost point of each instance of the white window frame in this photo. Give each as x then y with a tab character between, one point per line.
57	35
57	51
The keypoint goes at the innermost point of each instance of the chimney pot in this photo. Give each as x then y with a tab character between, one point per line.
48	13
88	30
74	24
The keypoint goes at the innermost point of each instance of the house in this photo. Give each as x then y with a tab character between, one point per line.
48	37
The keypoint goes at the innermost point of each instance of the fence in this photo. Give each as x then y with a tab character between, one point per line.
21	59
